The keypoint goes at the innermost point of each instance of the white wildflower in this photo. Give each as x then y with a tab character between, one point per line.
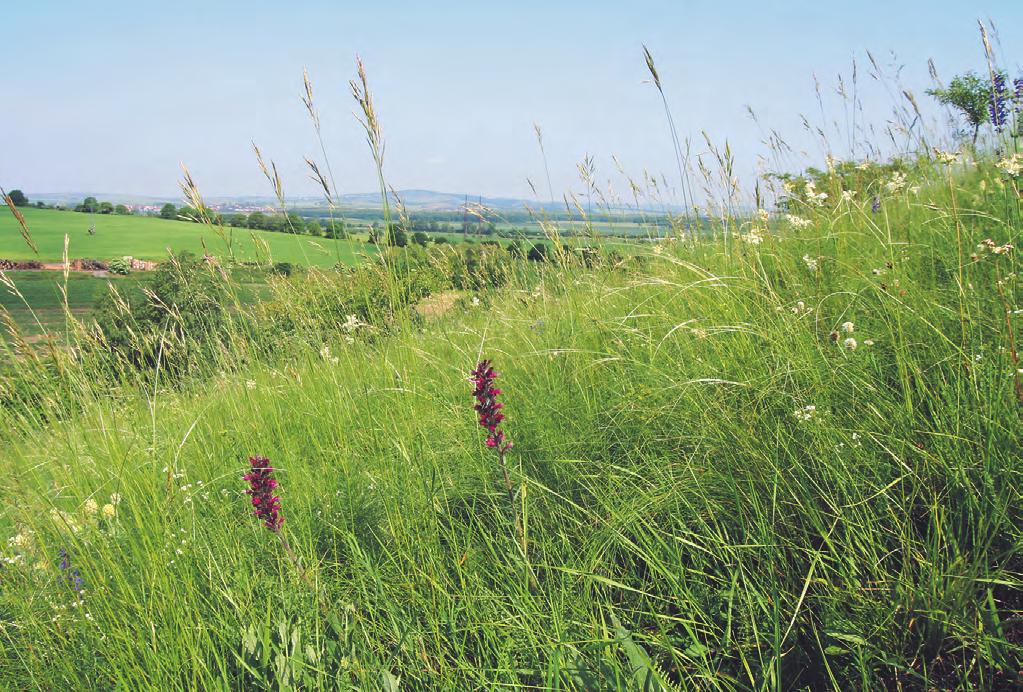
811	262
797	221
896	183
850	344
848	327
946	157
1012	165
806	413
22	541
90	506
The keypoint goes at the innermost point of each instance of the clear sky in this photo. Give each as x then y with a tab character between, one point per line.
110	95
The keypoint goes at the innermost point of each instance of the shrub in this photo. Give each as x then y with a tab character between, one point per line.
183	311
121	265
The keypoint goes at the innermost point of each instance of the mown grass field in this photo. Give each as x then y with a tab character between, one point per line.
150	238
40	307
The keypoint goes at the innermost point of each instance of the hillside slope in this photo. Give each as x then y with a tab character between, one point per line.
786	459
150	238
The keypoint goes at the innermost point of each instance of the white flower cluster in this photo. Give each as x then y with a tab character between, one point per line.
797	221
806	413
1012	165
753	237
813	197
988	245
897	182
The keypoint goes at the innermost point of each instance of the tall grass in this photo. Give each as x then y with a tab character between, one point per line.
779	458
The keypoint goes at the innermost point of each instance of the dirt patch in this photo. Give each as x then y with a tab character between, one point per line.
436	305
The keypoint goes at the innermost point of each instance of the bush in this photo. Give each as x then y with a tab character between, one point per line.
121	266
183	311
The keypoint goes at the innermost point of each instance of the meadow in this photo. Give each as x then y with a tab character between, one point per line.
150	238
780	453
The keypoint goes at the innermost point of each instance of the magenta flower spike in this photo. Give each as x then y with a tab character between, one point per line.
488	407
266	504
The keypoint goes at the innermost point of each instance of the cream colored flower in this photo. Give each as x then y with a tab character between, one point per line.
850	344
848	327
22	540
1011	165
90	506
896	183
109	511
798	221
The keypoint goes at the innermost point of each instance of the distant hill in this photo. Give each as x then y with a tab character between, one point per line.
414	199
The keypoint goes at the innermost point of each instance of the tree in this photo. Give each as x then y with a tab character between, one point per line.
275	222
313	227
336	229
397	236
89	205
515	249
106	208
969	94
121	210
294	223
420	238
168	211
18	198
257	219
538	253
236	220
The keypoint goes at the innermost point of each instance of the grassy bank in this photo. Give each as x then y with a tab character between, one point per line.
779	457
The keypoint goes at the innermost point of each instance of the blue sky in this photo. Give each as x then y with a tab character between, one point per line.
111	95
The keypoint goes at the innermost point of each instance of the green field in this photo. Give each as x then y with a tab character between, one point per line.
150	238
41	304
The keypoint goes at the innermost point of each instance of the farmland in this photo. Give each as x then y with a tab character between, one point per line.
151	238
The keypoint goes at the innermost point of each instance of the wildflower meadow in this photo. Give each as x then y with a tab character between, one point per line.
776	446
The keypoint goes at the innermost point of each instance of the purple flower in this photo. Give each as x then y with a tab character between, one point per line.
265	503
70	576
996	106
488	407
875	206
